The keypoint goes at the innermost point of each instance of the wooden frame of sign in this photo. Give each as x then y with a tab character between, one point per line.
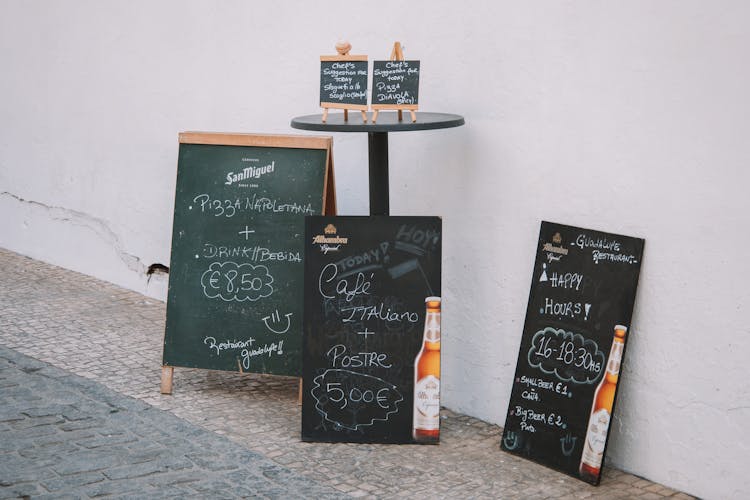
227	182
397	54
326	105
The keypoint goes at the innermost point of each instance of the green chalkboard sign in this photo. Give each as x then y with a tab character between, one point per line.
343	82
395	85
235	300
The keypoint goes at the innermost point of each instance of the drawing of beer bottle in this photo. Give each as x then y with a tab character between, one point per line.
601	411
426	421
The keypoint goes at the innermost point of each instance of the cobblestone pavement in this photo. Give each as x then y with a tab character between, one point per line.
64	435
114	337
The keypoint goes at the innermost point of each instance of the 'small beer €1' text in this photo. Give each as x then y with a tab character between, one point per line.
426	426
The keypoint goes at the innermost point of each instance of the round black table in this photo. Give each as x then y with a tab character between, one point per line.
377	134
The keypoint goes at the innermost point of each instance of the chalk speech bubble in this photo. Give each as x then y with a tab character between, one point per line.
569	356
230	281
351	400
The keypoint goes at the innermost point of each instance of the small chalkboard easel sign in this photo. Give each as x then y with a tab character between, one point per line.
395	85
343	82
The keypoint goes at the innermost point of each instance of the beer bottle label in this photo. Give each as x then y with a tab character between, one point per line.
615	358
596	438
432	327
427	403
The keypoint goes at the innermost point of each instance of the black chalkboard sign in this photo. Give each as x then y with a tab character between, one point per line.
343	82
577	324
395	85
366	281
235	284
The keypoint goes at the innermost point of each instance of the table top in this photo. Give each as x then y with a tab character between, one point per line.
387	122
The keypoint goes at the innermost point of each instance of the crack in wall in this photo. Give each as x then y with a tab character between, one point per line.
99	226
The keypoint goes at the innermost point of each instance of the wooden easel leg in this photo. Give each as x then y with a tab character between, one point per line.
325	114
364	117
167	372
299	401
346	115
375	116
400	115
413	116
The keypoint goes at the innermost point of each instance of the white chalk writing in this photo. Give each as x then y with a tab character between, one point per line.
230	207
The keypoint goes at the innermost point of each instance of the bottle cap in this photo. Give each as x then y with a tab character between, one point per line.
432	302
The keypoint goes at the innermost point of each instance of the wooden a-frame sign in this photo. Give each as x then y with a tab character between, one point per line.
235	300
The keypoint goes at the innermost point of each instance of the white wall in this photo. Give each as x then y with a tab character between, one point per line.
629	117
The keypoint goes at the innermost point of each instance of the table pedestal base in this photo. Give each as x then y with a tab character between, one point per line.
378	165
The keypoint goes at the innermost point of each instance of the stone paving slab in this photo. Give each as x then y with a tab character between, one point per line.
114	337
